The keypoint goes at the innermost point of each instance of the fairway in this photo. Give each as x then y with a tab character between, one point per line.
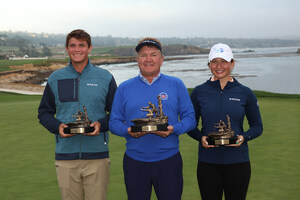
27	170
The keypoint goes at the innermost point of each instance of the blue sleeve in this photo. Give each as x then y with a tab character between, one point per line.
117	115
196	133
253	117
47	110
109	100
186	112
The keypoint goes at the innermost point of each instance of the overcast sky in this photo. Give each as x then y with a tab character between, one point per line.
157	18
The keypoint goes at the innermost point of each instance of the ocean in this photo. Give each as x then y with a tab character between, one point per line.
266	69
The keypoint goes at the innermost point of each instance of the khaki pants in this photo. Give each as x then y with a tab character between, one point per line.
83	179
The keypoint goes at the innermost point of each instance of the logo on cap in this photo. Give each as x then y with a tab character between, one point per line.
220	50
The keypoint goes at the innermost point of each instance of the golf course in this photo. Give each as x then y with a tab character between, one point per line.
27	170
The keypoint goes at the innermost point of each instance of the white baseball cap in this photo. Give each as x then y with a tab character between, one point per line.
220	51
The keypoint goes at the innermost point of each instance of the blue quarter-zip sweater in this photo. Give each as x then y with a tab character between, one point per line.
134	94
212	104
65	94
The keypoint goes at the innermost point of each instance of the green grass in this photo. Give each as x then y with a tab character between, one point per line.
27	170
8	50
102	50
4	64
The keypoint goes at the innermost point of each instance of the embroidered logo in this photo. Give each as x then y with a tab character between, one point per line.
163	96
234	99
92	84
220	50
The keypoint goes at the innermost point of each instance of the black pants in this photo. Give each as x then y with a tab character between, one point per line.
214	179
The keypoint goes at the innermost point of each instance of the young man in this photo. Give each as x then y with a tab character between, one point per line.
82	160
152	158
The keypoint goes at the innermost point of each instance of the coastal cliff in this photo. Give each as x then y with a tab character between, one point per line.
168	50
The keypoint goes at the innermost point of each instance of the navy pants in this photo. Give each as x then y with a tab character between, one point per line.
165	176
231	179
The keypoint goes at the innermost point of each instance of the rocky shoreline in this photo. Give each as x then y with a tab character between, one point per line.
27	78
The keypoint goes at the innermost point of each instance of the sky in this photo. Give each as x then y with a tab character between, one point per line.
155	18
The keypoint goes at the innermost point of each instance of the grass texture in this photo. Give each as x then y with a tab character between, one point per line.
27	170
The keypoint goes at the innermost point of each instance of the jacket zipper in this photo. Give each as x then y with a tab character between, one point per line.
80	139
221	110
104	135
74	89
221	102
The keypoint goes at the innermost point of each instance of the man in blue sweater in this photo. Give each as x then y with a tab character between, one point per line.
82	161
152	158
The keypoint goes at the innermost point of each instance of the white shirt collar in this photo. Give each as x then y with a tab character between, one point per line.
146	81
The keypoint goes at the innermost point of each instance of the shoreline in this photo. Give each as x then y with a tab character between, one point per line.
20	92
27	78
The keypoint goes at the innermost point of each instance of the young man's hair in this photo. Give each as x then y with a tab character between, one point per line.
79	34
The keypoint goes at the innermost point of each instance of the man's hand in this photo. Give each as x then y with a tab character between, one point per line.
61	131
135	134
96	126
165	133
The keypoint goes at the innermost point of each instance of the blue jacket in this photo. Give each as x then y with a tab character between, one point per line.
212	104
134	94
65	94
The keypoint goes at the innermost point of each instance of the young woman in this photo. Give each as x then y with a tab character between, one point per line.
224	168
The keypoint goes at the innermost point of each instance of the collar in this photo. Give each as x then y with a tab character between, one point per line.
212	79
216	83
146	81
87	67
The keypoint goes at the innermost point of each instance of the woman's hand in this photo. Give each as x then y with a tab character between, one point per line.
239	141
205	143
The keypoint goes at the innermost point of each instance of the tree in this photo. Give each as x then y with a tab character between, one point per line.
45	49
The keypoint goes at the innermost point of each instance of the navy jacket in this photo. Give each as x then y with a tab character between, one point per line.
65	94
212	104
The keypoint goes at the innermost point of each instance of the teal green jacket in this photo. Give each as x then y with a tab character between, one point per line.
66	92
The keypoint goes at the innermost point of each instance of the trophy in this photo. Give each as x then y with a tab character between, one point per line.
81	125
224	136
155	121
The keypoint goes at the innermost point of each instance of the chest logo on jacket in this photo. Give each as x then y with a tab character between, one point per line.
234	99
163	96
92	84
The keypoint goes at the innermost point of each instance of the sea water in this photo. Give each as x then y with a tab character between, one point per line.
266	69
